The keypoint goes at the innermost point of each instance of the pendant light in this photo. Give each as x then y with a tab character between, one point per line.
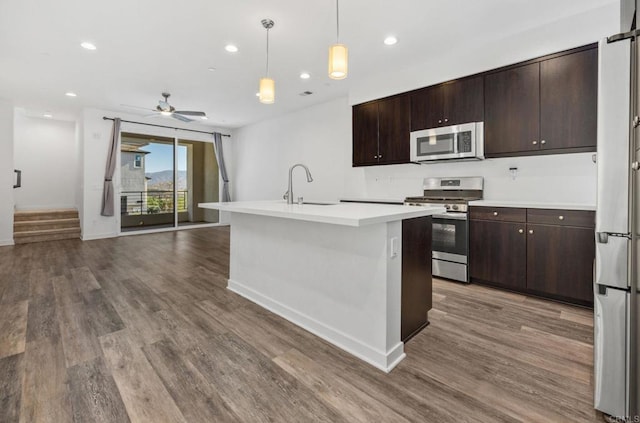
338	54
267	85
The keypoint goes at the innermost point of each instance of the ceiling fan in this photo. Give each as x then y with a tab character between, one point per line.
166	109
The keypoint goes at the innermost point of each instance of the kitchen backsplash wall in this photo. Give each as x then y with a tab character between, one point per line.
562	178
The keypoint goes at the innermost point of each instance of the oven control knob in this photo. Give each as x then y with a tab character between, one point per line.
455	207
446	206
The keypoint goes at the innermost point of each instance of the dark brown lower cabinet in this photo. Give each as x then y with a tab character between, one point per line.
416	276
543	252
560	262
497	253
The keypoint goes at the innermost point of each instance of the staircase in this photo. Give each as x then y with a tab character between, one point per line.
45	225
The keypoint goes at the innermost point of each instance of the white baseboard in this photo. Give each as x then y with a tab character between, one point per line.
97	236
384	361
6	242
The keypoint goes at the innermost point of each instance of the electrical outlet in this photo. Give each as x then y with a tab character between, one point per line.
393	247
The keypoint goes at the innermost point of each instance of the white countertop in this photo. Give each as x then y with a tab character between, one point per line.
533	205
349	214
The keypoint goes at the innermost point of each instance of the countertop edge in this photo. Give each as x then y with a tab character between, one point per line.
335	220
532	205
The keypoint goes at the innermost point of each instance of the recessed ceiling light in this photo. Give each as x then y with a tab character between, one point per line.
231	48
87	45
390	40
305	75
48	115
204	118
70	94
212	69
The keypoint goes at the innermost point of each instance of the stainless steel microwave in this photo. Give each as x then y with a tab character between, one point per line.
456	142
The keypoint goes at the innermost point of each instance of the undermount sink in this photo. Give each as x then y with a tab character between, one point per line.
319	203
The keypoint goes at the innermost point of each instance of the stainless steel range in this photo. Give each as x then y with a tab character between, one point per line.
450	246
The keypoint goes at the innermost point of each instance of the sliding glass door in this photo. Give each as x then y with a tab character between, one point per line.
198	168
163	180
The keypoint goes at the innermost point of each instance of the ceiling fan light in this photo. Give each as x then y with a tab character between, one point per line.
338	61
267	91
166	113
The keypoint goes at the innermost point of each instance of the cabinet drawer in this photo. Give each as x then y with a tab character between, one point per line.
501	214
581	218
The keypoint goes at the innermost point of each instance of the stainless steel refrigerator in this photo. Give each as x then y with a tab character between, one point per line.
616	299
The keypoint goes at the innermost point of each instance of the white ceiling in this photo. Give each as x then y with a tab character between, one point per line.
147	46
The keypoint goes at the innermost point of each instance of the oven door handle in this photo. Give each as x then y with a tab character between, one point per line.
452	216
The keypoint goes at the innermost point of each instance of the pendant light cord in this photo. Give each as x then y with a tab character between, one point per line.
337	23
267	74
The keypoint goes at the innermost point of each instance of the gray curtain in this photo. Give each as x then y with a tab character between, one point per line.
217	145
108	194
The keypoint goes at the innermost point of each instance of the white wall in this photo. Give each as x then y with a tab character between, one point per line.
46	152
316	137
6	172
95	137
486	54
320	136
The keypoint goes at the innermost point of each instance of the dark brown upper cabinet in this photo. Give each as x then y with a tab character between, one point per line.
512	110
365	134
568	101
546	106
381	131
450	103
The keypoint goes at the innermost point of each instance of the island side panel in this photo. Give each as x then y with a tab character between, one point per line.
338	282
417	284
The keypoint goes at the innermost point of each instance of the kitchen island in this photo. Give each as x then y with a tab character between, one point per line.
357	275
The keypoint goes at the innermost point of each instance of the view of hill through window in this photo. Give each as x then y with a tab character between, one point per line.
159	167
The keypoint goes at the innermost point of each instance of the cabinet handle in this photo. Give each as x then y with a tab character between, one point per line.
531	231
521	231
440	121
375	157
534	142
446	120
561	217
543	142
379	156
495	213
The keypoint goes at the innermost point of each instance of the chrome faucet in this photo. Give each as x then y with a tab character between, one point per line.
289	194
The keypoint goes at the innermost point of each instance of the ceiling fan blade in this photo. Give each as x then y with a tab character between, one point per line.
137	107
180	117
190	113
151	115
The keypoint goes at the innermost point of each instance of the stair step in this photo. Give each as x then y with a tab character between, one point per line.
30	215
47	232
43	238
34	225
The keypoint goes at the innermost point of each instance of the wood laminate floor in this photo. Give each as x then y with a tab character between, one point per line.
143	329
